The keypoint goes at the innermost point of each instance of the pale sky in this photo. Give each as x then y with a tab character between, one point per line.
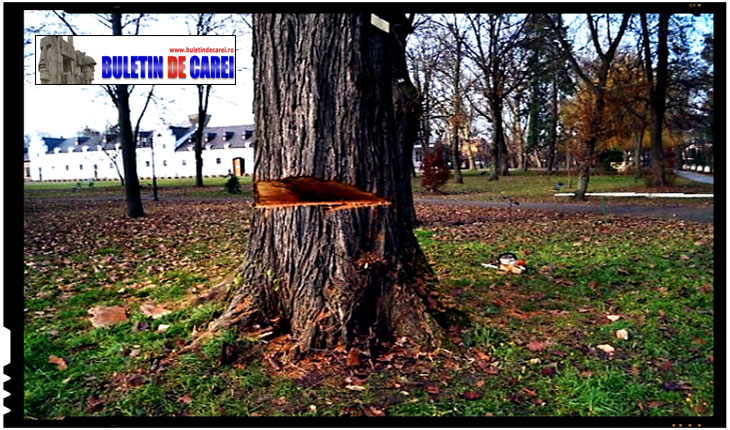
65	110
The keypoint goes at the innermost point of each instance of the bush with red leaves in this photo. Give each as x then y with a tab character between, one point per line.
435	170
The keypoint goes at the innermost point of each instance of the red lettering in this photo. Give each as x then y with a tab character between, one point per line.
181	67
171	67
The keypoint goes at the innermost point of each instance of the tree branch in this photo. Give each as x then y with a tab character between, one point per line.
62	17
147	102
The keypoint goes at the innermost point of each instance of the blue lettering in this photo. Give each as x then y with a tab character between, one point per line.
215	70
142	61
158	67
232	65
133	67
117	67
194	62
204	68
224	67
106	67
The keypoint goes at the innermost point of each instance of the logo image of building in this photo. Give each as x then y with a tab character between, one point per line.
60	64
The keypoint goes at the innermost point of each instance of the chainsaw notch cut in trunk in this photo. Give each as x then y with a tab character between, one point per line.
331	256
309	191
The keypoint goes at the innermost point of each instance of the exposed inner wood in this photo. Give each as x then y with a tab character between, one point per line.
309	191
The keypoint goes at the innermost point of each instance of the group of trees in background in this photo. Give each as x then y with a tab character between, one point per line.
545	90
521	90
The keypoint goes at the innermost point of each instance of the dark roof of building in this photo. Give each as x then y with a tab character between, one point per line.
238	136
91	143
179	132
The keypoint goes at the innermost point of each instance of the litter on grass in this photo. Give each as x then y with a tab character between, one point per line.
507	263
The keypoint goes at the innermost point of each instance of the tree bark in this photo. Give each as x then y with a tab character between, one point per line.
657	96
499	147
456	154
203	94
638	138
331	253
552	141
129	145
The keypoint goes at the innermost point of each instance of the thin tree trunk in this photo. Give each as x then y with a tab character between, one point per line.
638	138
129	146
456	155
331	253
552	141
203	94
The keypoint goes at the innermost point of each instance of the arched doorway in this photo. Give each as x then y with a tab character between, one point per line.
239	166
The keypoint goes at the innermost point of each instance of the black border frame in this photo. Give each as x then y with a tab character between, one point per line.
13	199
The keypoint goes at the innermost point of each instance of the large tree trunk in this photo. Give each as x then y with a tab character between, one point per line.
129	145
658	104
331	253
503	153
500	165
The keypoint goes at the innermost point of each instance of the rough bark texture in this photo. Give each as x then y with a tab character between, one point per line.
334	104
499	148
552	140
203	94
129	145
657	95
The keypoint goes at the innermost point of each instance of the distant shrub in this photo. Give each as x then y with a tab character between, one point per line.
233	185
435	170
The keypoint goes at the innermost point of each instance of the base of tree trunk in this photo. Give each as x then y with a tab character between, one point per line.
330	289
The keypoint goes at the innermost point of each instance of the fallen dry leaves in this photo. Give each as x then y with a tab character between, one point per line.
154	311
58	361
622	334
608	349
536	346
103	316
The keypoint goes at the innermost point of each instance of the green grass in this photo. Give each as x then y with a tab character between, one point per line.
657	275
532	186
181	187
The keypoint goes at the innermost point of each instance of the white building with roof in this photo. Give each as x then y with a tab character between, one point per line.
226	150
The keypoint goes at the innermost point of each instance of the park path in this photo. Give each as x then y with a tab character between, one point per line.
697	177
703	214
687	213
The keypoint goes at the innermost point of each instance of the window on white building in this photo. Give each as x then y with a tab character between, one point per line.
67	167
111	165
147	163
185	163
217	161
81	167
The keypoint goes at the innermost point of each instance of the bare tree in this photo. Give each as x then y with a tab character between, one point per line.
204	24
497	56
657	92
120	97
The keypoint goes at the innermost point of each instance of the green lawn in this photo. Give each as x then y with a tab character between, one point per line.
530	349
532	186
213	187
